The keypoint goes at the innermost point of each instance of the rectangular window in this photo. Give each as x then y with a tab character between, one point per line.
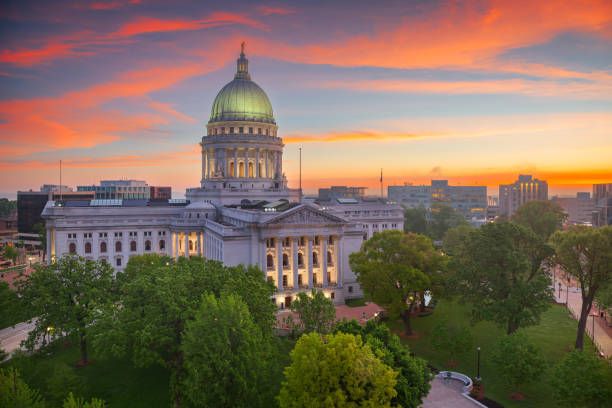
284	280
251	130
118	261
240	129
231	129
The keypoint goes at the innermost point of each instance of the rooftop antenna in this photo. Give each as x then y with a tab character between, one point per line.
381	183
300	173
60	180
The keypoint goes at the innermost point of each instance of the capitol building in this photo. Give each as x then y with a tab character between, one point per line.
243	212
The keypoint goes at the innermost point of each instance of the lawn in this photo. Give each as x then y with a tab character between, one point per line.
554	336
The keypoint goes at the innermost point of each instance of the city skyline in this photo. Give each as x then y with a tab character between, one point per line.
475	93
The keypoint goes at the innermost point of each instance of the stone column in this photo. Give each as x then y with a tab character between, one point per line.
48	249
175	250
267	158
186	244
236	162
204	159
339	262
246	163
309	250
294	263
257	163
199	252
324	260
279	263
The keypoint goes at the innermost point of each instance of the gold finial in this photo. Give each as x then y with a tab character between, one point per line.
242	48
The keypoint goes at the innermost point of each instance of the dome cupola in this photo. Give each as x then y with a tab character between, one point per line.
242	99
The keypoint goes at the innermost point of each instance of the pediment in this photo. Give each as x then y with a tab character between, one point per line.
305	215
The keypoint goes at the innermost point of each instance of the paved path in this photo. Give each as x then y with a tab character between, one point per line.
11	337
571	294
446	394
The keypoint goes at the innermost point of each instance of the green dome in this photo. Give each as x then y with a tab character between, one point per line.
242	99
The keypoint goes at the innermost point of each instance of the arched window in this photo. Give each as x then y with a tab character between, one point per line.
251	170
133	246
300	260
260	169
190	245
147	245
72	248
285	260
231	170
103	247
316	240
270	261
330	240
118	246
241	169
88	247
162	245
315	259
330	259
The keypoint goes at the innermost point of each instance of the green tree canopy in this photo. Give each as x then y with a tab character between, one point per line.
443	218
336	371
64	296
499	271
581	380
518	361
228	360
586	254
14	392
317	313
7	207
74	402
10	253
11	306
158	296
455	238
543	217
412	373
415	220
392	267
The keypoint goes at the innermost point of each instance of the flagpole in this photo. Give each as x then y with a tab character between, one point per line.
381	183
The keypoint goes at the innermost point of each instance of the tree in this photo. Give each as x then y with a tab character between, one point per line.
499	271
413	377
158	297
392	267
7	207
451	339
14	392
40	229
603	297
415	220
518	360
10	304
317	313
64	296
586	254
455	238
227	357
443	218
336	371
11	253
74	402
582	380
543	217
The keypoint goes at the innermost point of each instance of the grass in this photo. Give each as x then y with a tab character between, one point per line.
117	381
355	302
554	336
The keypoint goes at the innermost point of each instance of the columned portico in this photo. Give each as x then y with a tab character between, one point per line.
309	253
323	260
294	263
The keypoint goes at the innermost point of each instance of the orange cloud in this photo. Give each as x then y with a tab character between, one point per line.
269	10
147	25
77	120
358	135
600	89
29	57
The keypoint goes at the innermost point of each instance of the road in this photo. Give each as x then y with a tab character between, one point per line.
11	337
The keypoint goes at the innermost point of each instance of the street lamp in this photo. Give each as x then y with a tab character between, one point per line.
559	290
478	364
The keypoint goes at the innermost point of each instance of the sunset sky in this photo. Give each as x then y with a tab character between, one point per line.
475	92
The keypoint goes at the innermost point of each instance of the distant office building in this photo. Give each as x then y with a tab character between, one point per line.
602	201
119	189
335	192
525	189
160	193
31	203
471	201
492	208
579	209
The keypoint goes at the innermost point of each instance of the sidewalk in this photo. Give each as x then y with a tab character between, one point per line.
603	333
